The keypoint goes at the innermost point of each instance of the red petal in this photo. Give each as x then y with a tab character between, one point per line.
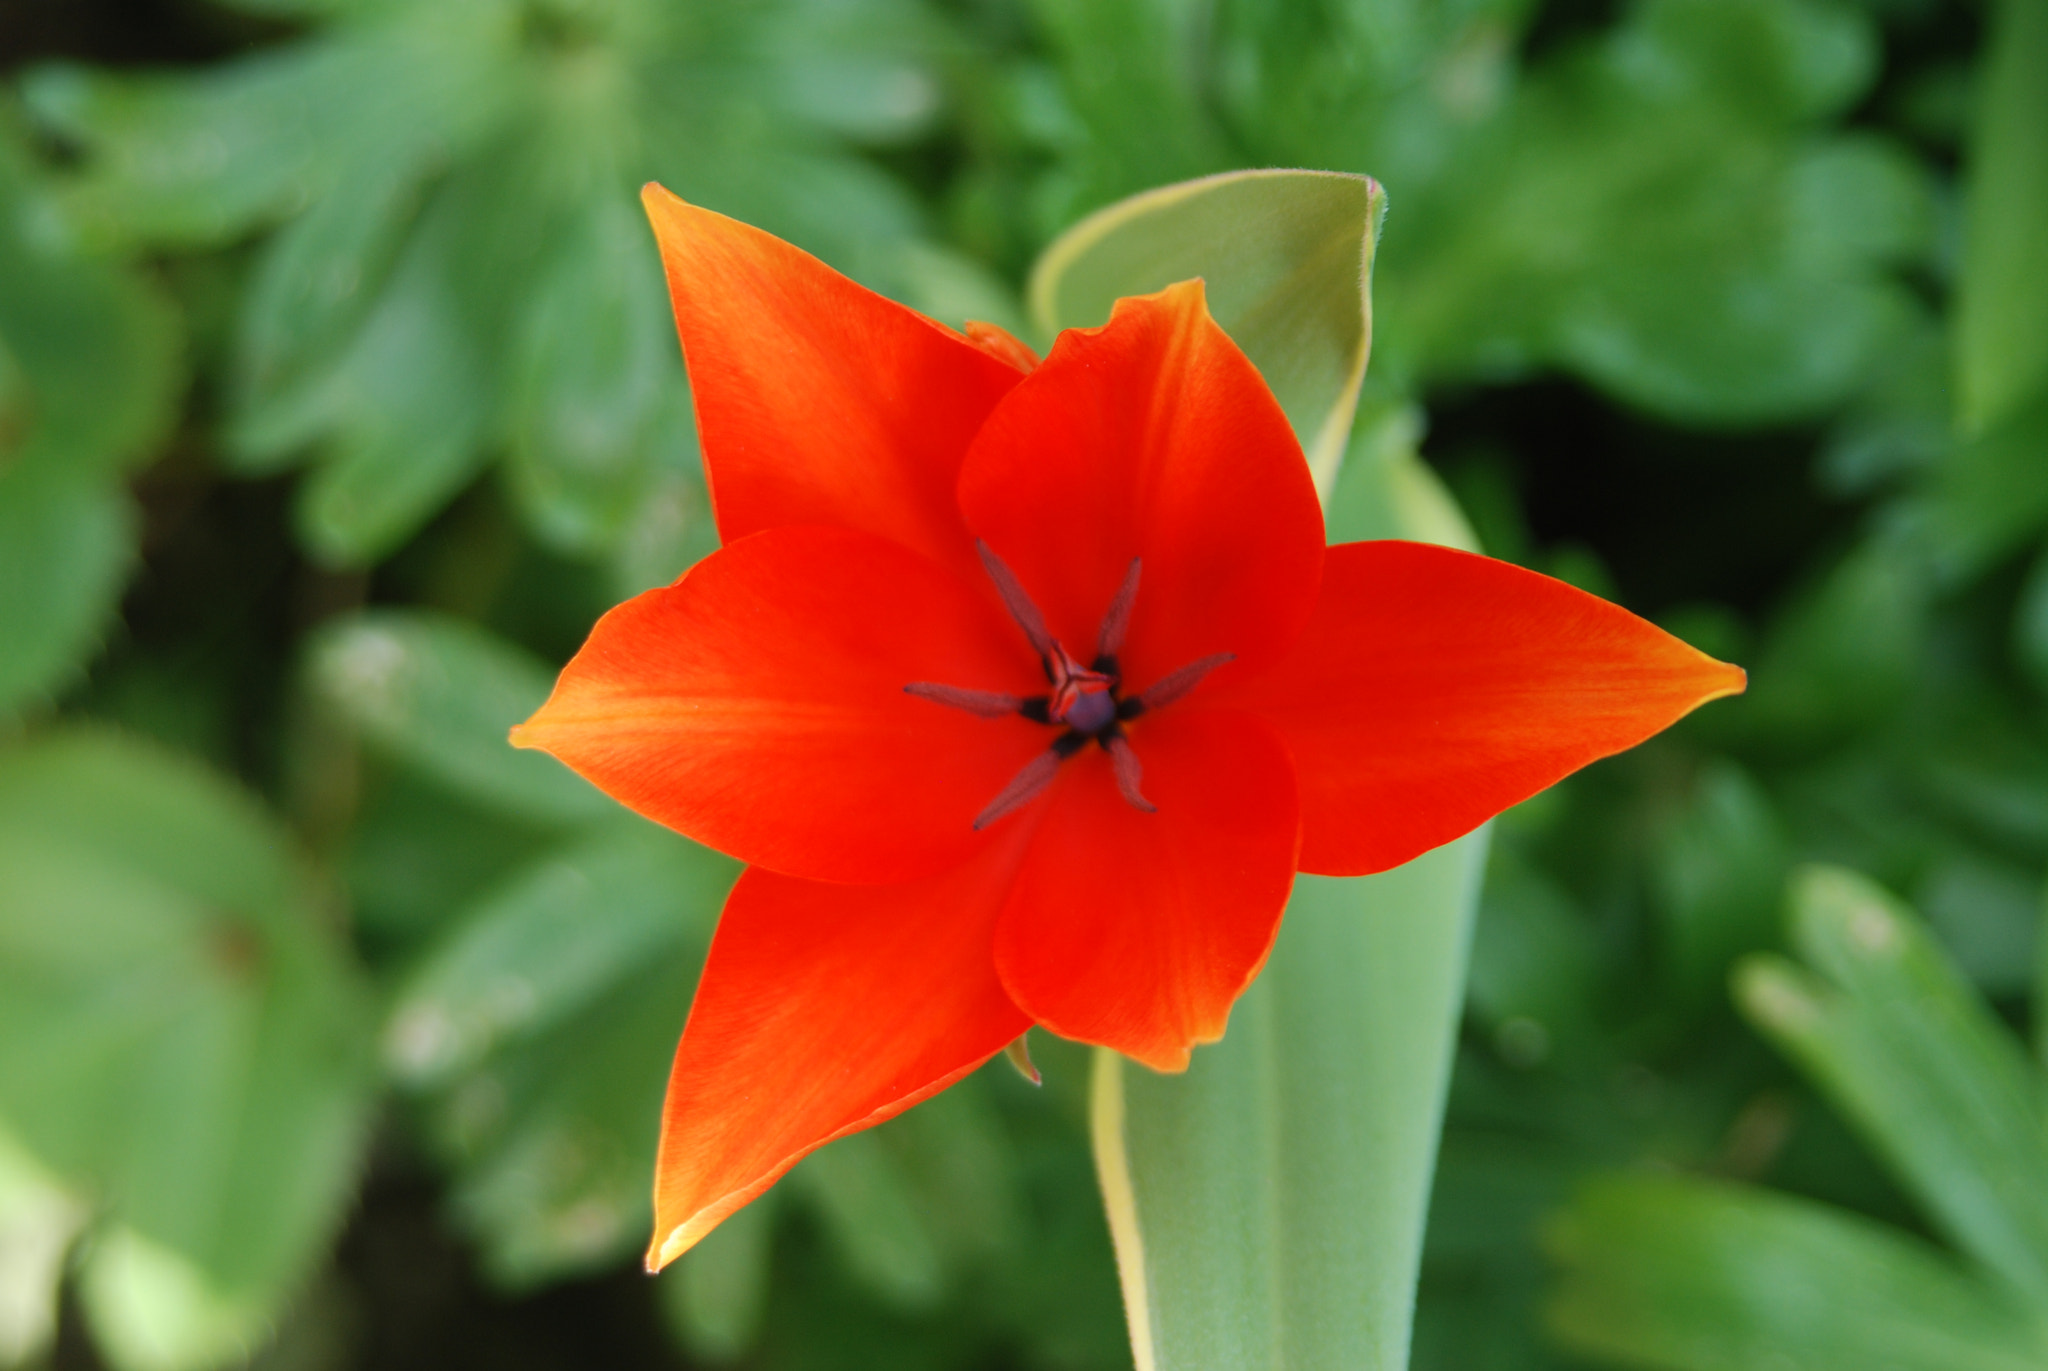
758	705
1434	688
1138	931
1152	437
998	341
824	1009
819	401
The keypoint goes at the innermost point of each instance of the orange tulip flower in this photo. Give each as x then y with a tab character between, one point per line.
1024	689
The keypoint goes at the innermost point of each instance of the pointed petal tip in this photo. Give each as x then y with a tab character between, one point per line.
662	1251
819	401
1166	1061
681	1237
658	200
1717	681
672	1239
666	1248
1191	297
540	732
1174	1059
1435	688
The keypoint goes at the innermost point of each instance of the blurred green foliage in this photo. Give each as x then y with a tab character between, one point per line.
88	375
455	270
1694	1275
338	363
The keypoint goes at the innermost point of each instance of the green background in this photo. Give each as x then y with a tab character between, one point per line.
338	397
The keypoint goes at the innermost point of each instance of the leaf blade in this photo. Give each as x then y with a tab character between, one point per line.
1282	253
1696	1275
2002	302
1907	1050
1268	1206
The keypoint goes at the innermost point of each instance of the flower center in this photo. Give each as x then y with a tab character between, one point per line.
1082	698
1086	703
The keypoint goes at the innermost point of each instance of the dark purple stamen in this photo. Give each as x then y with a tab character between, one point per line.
1129	772
1085	702
1175	684
1110	641
1019	604
989	704
1023	788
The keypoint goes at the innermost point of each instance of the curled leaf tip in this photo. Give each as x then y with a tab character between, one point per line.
1018	1054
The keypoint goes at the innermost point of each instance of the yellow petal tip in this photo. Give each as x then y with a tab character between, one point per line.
669	1248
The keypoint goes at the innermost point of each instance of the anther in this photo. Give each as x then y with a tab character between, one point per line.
1015	600
1026	786
1086	700
1110	640
1130	772
1175	684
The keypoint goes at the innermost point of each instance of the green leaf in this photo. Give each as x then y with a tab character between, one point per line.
1268	1205
1386	490
1906	1049
93	351
1986	497
672	528
1287	256
181	1037
553	1138
1132	71
1650	211
405	412
89	370
416	854
871	1214
1843	652
2030	623
1691	1275
553	940
150	1309
952	287
1783	60
2002	298
597	377
861	71
197	159
66	544
194	160
1535	961
715	1296
38	1223
1655	206
1984	912
311	289
1280	1136
962	1167
440	694
543	1024
458	274
1719	866
15	403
